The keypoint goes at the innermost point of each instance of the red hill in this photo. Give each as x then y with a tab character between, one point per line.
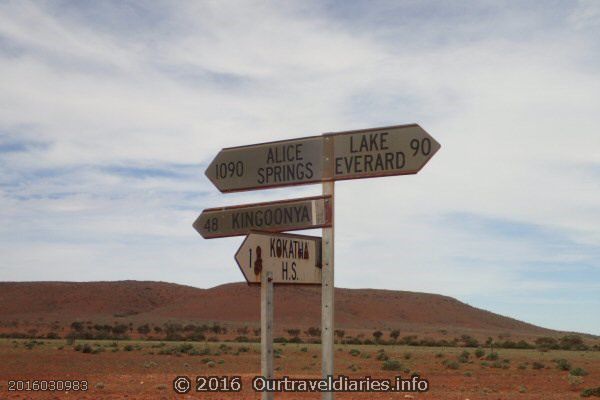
236	304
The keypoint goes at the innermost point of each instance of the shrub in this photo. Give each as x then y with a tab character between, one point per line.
407	356
128	347
521	344
479	352
30	344
351	340
392	365
86	348
354	352
572	342
591	392
143	329
313	331
120	329
578	372
196	337
409	340
563	364
452	365
185	348
492	356
381	356
293	332
77	326
469	341
217	329
304	349
464	357
574	381
545	343
537	365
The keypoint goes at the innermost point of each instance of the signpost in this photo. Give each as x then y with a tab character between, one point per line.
266	329
275	216
289	258
366	153
262	258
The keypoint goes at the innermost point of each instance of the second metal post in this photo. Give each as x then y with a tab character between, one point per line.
327	292
266	329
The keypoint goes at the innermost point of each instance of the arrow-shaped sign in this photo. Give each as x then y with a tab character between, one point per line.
275	216
367	153
291	258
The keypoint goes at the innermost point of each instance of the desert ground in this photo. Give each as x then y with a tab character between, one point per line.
145	369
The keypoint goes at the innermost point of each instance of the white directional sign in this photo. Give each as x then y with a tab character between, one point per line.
290	258
367	153
275	216
268	256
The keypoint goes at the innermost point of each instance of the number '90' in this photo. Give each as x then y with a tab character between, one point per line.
422	146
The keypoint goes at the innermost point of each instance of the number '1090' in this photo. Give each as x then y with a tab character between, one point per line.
229	170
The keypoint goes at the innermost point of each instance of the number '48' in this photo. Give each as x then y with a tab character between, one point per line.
212	224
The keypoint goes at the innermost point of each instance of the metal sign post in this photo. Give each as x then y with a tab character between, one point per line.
266	330
327	292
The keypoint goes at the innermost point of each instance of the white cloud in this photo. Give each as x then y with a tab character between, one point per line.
512	98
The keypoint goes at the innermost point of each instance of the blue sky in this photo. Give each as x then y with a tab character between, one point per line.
110	112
